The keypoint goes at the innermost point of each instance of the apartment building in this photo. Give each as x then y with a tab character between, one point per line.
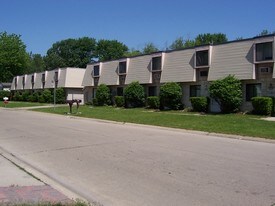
250	60
68	78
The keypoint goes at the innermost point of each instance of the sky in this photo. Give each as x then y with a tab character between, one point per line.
134	23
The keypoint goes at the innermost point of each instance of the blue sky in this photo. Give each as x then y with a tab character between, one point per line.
135	23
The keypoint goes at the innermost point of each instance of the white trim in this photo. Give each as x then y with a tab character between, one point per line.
204	48
254	51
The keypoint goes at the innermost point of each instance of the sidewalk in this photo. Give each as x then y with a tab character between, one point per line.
17	186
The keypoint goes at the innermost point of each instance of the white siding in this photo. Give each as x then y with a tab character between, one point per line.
72	78
108	73
234	58
74	94
19	83
88	79
139	70
50	79
178	66
38	81
28	84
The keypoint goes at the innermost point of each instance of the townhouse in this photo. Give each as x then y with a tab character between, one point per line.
250	60
68	78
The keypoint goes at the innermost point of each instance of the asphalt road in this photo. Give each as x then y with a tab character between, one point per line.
122	164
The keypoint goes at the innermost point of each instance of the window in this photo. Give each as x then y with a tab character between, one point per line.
203	73
156	63
252	90
43	78
122	68
264	51
195	90
96	71
152	91
202	58
119	91
32	79
56	76
264	69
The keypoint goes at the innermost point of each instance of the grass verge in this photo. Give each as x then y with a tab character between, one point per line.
237	124
21	104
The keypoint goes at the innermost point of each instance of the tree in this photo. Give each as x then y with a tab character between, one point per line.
103	95
265	32
170	96
13	56
132	53
178	44
36	63
227	92
134	95
71	53
110	49
149	48
208	38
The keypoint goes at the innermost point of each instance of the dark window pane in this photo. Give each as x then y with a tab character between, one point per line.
195	90
156	63
96	71
56	76
264	51
203	73
152	91
119	91
252	90
202	58
122	68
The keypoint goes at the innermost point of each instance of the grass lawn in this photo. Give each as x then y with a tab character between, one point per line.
12	104
246	125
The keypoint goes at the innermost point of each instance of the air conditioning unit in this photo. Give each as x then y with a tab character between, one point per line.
265	69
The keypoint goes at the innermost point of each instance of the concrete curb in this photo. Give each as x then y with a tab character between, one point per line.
48	179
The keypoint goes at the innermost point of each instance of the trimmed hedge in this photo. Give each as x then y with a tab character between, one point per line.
153	102
103	95
119	101
262	105
199	104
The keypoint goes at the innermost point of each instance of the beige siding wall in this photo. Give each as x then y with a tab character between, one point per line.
38	81
88	79
233	58
13	83
49	79
19	83
28	84
108	73
139	70
72	78
178	66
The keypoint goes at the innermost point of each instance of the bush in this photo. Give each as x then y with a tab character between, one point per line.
170	96
262	105
5	94
119	101
47	96
25	96
30	98
227	93
41	99
103	95
153	102
60	96
36	96
17	96
199	104
134	95
95	102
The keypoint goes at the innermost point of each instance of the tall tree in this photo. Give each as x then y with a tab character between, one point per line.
149	48
132	52
13	56
37	63
71	53
110	49
178	44
208	38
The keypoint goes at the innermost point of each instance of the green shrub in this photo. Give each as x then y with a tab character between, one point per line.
47	96
199	104
134	95
41	99
25	96
36	96
17	96
153	102
30	98
170	96
4	94
103	95
119	101
95	102
227	93
60	96
262	105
